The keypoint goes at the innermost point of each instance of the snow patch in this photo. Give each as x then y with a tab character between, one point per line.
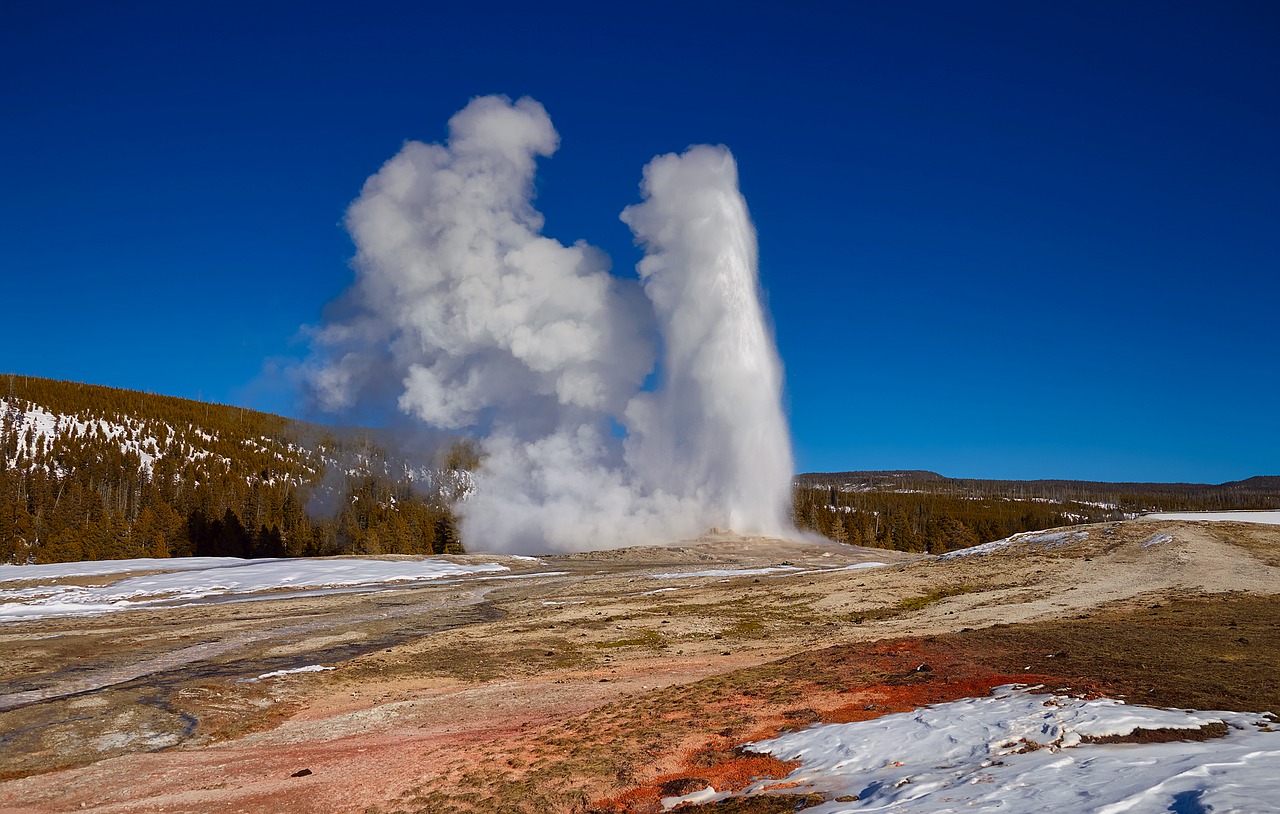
1269	517
707	795
310	668
58	570
740	572
1157	539
1030	539
242	578
1019	752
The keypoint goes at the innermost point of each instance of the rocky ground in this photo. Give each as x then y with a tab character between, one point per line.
582	683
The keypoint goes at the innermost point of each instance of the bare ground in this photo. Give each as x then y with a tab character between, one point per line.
583	686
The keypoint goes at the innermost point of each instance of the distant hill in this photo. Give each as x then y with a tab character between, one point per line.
89	472
925	511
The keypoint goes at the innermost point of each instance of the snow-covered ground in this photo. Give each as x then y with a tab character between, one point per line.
1015	751
1056	539
199	577
94	568
1269	517
772	571
726	572
1035	539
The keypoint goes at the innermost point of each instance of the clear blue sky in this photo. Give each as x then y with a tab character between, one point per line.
999	239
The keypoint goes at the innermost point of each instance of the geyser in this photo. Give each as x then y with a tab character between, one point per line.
477	322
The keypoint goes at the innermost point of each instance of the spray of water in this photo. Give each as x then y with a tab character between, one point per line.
474	321
714	428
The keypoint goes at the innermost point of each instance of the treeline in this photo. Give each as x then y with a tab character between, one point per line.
927	512
1254	493
91	472
921	522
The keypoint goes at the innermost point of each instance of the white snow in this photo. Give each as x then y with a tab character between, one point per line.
774	571
739	572
221	576
1033	539
1157	539
55	570
857	566
44	427
707	795
829	569
310	668
1018	752
1269	517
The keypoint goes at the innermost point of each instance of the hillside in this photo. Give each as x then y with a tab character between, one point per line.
924	511
89	472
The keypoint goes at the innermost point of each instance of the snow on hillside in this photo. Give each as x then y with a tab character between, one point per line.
1016	751
38	428
204	577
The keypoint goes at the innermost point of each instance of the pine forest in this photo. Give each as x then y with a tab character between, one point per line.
89	472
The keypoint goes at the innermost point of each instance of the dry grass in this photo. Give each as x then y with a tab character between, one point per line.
1261	542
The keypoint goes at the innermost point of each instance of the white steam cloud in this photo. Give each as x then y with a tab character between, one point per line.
473	320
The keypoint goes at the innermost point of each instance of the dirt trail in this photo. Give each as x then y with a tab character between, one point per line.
436	707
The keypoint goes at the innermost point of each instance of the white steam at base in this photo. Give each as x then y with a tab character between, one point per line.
475	321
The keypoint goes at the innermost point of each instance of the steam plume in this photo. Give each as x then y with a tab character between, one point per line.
475	321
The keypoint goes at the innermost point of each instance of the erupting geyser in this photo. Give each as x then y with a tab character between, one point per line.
715	426
478	322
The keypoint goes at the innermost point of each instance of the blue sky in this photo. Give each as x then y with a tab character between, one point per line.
1008	240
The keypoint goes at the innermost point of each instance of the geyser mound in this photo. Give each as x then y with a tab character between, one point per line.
479	323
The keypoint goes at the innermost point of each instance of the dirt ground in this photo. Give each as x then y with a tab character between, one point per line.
588	683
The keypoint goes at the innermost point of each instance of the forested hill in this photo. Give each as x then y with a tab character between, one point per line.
926	511
1262	492
89	472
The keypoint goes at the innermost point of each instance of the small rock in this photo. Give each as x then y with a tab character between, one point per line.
923	668
301	773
